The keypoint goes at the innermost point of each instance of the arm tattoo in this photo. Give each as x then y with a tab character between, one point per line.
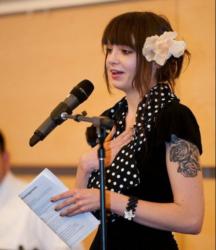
186	155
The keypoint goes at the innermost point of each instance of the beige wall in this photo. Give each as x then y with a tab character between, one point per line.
43	55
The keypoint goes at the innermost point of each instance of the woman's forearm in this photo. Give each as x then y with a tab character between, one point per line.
164	216
81	178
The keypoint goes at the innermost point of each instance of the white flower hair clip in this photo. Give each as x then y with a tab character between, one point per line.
161	48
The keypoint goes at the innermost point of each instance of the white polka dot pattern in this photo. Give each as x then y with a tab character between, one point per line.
123	174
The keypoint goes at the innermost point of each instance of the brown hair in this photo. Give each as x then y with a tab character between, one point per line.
132	29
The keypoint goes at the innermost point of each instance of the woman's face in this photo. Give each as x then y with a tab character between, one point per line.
121	64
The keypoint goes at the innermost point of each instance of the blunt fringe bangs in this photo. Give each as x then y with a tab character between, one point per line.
132	29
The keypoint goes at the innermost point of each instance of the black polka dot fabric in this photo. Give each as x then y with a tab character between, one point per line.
123	174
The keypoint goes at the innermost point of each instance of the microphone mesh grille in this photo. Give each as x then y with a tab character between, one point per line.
83	90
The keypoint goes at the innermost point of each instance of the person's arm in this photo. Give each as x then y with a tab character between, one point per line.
84	172
185	214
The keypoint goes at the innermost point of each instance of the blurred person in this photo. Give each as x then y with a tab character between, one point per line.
20	228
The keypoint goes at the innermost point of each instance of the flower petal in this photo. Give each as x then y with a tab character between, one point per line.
161	48
178	48
168	35
160	60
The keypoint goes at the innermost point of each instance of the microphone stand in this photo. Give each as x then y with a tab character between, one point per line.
101	156
101	124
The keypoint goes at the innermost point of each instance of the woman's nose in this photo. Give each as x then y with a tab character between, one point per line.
113	57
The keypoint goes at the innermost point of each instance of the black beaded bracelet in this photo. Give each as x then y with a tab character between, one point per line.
129	212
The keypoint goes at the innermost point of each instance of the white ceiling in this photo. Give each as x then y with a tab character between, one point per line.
20	6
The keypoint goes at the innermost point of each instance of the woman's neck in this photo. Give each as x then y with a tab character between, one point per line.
133	99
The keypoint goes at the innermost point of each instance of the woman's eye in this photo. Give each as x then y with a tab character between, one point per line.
127	51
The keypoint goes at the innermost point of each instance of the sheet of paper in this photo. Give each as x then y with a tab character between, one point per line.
37	196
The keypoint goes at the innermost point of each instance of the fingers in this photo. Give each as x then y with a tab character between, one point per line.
77	201
114	146
74	209
111	134
67	202
62	196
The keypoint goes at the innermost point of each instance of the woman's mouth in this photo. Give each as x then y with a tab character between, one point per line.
116	74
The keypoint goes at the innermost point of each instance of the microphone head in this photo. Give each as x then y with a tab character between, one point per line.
33	140
78	95
83	90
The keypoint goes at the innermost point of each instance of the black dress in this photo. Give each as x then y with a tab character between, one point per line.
140	170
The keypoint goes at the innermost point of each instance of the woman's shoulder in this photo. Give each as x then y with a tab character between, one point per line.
178	119
177	108
179	114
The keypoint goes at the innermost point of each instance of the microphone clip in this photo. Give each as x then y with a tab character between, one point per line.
97	121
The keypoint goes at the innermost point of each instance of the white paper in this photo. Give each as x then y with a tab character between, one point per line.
37	196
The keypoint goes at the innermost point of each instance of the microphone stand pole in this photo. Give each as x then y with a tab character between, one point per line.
100	123
101	156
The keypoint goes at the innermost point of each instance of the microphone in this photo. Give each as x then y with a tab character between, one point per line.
77	95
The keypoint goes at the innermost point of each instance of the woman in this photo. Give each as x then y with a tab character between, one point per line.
153	177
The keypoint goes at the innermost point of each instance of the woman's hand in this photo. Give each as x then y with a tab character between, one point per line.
77	201
89	161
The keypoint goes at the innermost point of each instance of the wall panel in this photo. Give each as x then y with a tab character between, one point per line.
43	55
